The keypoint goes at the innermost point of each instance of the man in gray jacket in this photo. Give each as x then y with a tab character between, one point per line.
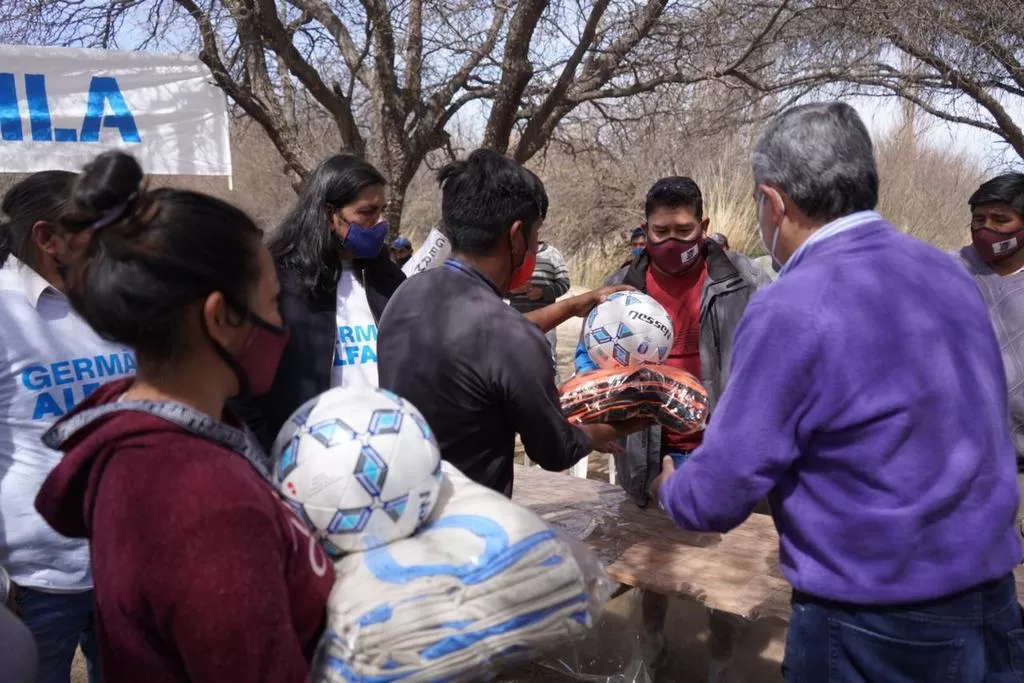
705	290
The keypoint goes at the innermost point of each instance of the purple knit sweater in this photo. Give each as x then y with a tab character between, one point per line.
868	399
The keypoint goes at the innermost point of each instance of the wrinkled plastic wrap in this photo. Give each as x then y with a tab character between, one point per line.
674	398
616	651
485	583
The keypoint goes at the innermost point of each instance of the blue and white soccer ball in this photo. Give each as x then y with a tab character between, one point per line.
629	328
360	466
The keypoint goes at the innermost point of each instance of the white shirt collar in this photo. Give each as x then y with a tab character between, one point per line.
20	278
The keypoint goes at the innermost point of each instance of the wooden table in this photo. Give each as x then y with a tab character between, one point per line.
737	572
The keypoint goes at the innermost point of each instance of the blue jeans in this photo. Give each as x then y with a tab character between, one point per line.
60	622
976	636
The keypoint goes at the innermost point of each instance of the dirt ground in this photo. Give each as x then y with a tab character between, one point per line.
611	654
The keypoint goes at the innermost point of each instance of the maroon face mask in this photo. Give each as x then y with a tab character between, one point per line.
256	365
675	256
993	246
262	355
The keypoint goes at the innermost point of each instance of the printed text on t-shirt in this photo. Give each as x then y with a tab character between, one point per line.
356	345
60	386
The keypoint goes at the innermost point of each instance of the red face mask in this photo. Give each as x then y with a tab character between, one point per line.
675	256
993	246
521	275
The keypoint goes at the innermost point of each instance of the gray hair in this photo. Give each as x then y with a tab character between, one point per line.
820	155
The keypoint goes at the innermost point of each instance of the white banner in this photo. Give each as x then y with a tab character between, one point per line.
60	107
432	253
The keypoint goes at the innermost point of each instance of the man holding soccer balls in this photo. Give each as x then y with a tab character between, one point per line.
705	290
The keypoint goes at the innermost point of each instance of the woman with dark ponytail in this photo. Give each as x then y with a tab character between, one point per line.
51	361
202	573
336	277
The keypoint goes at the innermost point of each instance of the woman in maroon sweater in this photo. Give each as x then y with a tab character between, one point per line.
201	572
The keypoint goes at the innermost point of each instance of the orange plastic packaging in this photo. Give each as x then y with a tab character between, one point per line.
674	398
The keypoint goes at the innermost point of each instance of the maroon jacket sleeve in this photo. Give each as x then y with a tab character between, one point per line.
219	594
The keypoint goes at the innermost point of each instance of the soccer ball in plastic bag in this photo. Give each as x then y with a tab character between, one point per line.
360	466
629	328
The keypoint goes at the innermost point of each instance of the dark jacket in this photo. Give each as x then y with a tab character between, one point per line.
308	360
731	280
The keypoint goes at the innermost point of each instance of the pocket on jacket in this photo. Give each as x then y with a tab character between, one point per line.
858	655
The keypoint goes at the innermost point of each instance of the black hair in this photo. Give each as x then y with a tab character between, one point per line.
482	196
672	193
1003	189
150	254
306	241
42	196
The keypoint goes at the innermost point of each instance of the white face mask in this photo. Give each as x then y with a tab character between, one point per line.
775	238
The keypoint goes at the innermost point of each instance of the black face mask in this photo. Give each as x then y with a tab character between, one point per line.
402	260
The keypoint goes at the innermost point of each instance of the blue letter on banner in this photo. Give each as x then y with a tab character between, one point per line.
38	107
10	117
104	89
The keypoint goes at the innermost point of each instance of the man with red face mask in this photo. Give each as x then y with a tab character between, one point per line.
995	258
478	370
705	290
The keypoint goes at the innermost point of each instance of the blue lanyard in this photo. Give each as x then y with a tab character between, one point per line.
452	264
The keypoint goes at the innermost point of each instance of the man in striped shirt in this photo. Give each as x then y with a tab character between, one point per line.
549	281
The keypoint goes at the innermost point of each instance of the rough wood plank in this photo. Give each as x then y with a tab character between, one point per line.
736	572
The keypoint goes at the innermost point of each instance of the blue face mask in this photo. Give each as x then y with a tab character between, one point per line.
637	251
365	242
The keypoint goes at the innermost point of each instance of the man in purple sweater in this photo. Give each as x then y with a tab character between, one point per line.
868	401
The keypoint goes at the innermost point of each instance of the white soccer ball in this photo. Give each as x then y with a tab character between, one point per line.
629	328
360	466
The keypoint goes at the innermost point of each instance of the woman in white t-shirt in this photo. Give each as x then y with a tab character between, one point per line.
336	278
50	360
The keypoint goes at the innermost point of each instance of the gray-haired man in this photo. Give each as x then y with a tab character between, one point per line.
861	401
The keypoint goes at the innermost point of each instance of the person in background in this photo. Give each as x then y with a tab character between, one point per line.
336	277
550	280
720	239
862	402
489	375
637	242
995	258
705	290
52	360
401	251
203	574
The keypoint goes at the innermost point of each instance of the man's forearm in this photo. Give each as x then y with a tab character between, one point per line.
551	316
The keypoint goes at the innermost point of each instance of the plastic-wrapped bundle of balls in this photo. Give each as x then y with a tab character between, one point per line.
438	578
